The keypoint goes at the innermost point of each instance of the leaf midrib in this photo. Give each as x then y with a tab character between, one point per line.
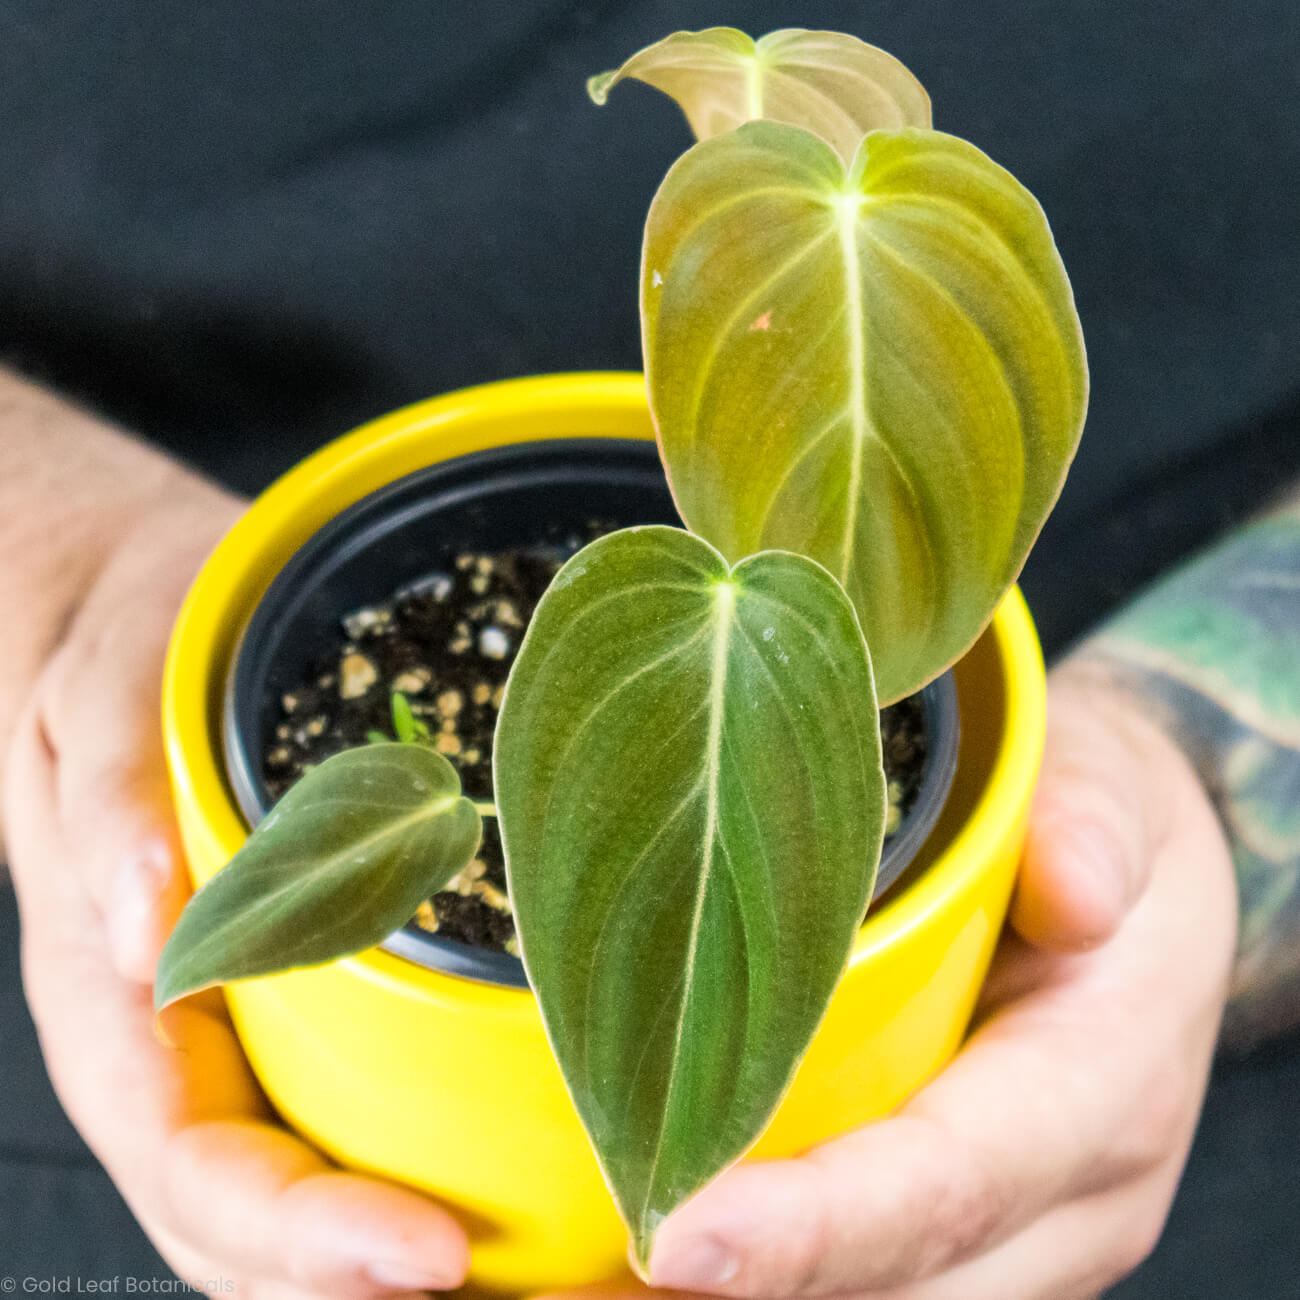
724	607
848	230
328	865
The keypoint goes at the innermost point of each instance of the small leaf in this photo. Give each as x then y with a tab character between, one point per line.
691	799
343	860
826	82
406	726
880	368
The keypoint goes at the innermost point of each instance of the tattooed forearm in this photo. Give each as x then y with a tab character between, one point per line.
1214	650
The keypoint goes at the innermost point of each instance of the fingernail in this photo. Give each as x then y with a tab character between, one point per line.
698	1262
405	1276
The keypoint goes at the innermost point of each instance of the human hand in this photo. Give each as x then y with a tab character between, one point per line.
222	1190
1042	1162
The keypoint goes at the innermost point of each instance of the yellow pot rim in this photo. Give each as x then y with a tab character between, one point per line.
254	550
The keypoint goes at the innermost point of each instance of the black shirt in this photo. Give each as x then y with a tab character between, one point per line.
243	228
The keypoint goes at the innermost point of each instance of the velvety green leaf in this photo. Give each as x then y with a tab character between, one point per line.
880	368
342	861
691	798
827	82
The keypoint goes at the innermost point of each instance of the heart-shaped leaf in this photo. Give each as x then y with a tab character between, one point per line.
689	782
880	368
834	85
342	861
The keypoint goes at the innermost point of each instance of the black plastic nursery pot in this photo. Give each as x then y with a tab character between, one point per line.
393	1061
401	564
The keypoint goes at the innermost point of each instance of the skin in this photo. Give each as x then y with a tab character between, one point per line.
1211	650
1041	1163
100	541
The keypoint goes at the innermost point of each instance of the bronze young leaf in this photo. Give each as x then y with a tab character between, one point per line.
880	368
834	85
689	781
342	861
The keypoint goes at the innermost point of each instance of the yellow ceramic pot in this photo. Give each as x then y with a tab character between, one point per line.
449	1084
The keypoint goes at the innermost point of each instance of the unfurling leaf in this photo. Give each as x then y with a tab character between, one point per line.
406	726
880	368
834	85
689	782
343	860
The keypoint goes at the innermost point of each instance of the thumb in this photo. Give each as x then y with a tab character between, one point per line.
97	708
1098	815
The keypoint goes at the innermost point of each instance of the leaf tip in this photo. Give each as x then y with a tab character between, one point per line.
639	1250
167	989
167	994
160	1028
598	87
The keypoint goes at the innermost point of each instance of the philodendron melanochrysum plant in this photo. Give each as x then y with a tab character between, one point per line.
868	380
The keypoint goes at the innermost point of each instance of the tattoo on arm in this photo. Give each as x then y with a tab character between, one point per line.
1215	649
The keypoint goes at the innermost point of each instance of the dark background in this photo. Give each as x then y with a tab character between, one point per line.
241	228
